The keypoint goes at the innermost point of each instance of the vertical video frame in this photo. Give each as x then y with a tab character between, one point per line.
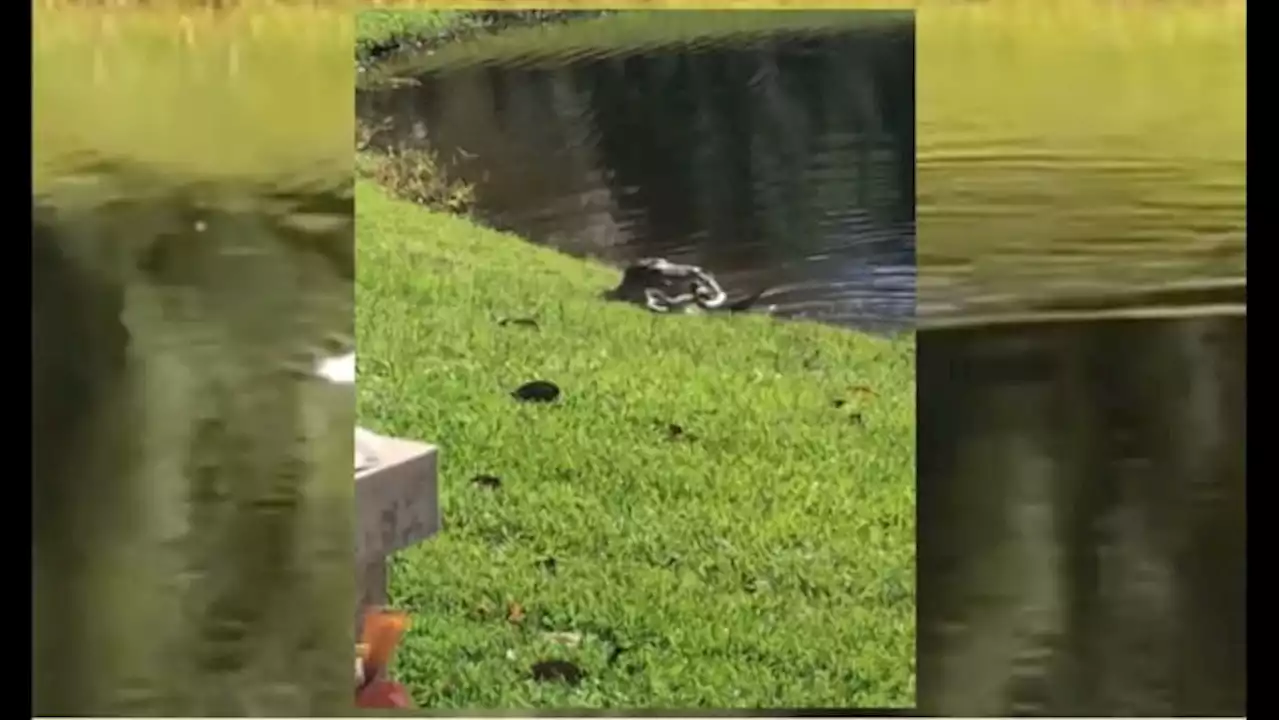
635	295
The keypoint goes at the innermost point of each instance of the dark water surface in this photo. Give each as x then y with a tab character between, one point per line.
1082	517
779	160
191	486
1082	378
1081	292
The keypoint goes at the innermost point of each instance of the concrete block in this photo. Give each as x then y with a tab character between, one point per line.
397	506
397	499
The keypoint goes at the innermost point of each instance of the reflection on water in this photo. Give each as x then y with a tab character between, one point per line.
190	484
780	160
1082	518
1082	392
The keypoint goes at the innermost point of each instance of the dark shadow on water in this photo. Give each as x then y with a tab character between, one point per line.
779	160
1082	518
191	487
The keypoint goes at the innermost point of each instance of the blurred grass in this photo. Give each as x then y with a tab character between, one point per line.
1079	147
259	90
1158	79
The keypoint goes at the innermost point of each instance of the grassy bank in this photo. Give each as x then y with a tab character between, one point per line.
380	28
525	37
383	32
717	512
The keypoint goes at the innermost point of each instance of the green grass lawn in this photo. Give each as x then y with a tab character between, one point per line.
374	27
765	557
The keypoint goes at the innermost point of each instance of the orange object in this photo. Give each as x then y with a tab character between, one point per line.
383	695
382	632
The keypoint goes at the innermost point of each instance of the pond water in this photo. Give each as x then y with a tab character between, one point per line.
778	160
1081	378
188	474
1079	286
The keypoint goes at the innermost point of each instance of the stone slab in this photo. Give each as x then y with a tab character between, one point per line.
397	499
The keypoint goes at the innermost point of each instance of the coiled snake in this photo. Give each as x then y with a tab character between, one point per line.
664	287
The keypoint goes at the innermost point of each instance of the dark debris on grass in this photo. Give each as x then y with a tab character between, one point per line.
674	431
519	322
557	671
539	391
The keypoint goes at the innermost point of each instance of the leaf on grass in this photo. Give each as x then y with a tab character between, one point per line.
515	613
568	639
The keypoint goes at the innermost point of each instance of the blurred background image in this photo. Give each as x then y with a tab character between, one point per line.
191	257
1082	358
